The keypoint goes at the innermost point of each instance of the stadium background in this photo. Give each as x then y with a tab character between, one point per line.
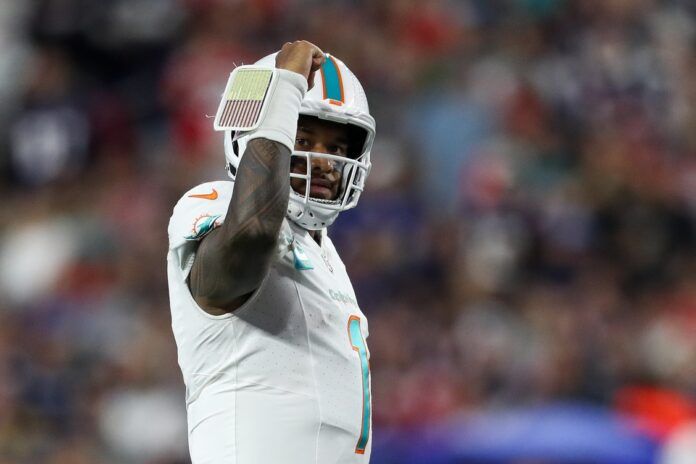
524	251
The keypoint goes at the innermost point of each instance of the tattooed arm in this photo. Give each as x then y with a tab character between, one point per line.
233	259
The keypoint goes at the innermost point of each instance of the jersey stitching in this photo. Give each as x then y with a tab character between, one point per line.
211	378
189	265
314	374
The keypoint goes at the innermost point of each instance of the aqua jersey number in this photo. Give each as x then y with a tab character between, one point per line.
358	343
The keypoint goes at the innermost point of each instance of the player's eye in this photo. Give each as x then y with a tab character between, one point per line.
337	149
301	142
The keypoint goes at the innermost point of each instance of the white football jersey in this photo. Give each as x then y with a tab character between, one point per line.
285	377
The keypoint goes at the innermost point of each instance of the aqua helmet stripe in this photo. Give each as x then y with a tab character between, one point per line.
333	83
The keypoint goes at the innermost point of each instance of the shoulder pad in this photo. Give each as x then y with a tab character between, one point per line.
199	211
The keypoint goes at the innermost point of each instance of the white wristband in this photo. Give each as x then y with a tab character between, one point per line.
280	123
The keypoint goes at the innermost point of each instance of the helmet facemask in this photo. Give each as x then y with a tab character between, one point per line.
316	213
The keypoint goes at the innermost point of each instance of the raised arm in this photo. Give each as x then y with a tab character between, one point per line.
232	260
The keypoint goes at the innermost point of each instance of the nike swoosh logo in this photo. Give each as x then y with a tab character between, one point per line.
206	196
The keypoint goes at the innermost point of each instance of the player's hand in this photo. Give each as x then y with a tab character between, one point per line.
301	57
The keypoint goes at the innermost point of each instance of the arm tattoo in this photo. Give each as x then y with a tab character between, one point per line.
261	191
232	260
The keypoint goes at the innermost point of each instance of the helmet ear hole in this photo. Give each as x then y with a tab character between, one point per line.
357	136
235	147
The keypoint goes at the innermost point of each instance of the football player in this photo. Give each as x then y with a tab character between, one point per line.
271	341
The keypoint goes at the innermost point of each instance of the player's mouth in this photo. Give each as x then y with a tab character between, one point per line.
321	188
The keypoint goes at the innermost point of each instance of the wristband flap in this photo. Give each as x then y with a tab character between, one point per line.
245	100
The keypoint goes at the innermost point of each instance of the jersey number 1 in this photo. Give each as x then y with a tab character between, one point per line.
358	343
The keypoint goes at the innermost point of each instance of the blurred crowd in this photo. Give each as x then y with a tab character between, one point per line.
526	237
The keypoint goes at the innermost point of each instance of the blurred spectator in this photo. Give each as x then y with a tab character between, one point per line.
526	237
49	138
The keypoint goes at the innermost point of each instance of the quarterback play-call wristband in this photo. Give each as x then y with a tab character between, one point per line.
262	103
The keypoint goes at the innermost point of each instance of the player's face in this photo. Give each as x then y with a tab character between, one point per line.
319	136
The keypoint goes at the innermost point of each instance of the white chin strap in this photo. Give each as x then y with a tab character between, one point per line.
310	215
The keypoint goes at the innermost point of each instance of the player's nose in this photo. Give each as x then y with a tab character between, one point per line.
322	164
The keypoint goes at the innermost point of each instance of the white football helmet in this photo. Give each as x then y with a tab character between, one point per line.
337	96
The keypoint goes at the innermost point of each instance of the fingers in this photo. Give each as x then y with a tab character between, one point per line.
302	57
318	59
